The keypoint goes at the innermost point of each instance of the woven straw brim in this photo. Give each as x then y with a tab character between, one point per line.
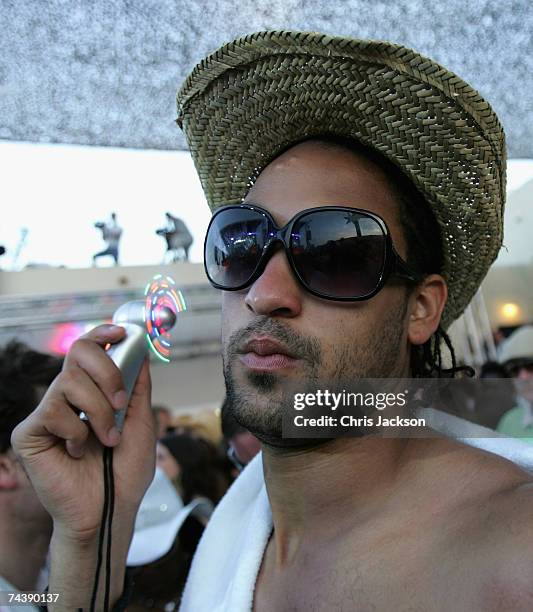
256	96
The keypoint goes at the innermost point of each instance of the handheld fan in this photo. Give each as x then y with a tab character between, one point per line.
147	323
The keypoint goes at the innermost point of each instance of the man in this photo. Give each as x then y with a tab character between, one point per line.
178	238
517	358
365	288
111	233
25	526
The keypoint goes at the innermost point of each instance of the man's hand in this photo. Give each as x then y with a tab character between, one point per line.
63	456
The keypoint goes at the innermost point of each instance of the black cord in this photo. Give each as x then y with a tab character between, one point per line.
101	534
107	522
111	482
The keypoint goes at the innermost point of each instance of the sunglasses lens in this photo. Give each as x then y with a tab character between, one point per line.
339	254
234	245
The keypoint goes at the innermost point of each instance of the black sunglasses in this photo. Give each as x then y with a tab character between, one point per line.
336	252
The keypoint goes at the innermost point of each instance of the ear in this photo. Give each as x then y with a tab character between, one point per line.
9	475
427	304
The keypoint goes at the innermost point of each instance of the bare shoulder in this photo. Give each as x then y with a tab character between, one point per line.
491	543
504	500
513	510
505	547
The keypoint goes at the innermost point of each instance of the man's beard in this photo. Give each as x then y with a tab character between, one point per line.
258	404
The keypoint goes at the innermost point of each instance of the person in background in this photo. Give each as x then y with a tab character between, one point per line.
193	466
25	526
243	446
165	538
111	233
492	369
203	424
178	238
494	396
164	421
517	358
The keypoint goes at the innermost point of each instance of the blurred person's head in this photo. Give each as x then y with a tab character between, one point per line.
517	357
199	424
193	466
164	420
243	446
492	369
25	375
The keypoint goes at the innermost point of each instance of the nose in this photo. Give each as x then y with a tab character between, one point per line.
276	292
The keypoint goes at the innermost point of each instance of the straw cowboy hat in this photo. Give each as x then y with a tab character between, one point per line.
259	94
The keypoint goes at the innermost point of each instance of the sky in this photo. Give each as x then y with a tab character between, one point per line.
58	192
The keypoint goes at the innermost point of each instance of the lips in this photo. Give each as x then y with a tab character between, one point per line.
266	354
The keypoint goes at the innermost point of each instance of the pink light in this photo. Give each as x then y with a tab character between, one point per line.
65	334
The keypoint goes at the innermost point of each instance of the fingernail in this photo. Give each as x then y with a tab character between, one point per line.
113	329
113	435
120	400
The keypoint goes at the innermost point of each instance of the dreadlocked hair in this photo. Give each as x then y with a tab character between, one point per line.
424	250
426	359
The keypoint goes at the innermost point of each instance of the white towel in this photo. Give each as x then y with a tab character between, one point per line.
480	437
228	557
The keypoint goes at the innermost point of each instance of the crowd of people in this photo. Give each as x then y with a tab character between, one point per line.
500	396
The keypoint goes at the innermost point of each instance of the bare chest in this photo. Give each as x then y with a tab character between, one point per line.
404	579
